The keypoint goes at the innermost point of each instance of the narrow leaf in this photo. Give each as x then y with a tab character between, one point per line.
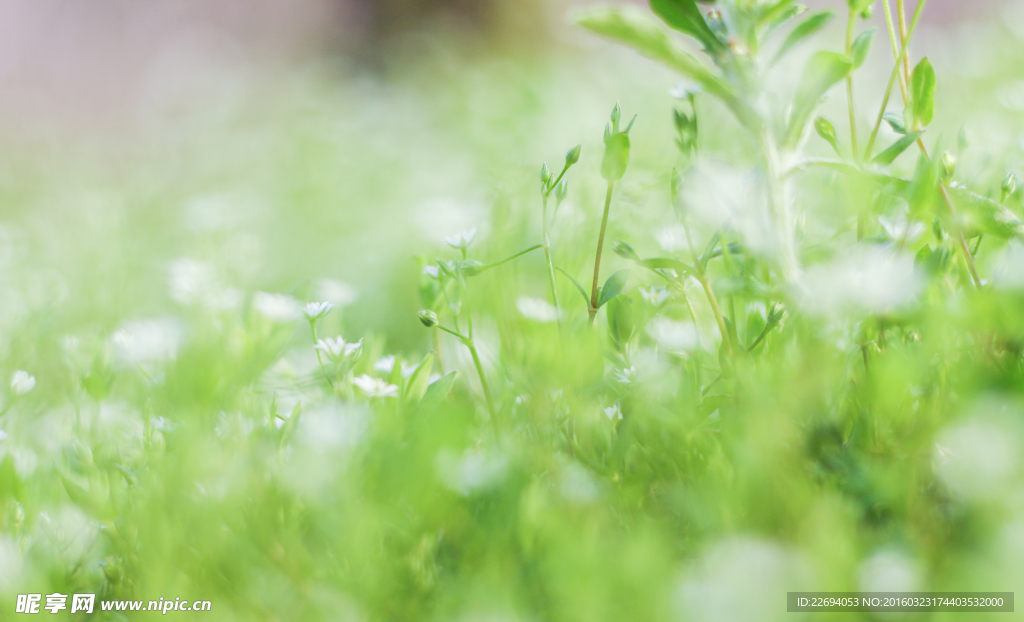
664	263
898	147
633	28
805	29
860	48
419	381
583	292
895	121
686	17
437	391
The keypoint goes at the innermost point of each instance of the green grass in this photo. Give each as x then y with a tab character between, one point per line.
783	376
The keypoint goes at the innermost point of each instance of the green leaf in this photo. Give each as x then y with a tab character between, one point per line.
985	215
419	381
776	16
823	70
922	94
860	48
826	130
805	29
923	189
631	27
396	377
616	157
859	6
889	155
664	263
612	287
583	292
705	257
437	391
686	17
895	121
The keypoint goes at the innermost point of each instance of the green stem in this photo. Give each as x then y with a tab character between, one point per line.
508	259
600	248
483	379
716	308
551	265
895	44
895	72
312	327
849	87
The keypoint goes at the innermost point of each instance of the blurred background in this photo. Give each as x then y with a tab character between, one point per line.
268	139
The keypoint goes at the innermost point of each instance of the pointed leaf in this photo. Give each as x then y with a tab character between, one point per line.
664	263
861	47
686	17
823	70
895	121
805	29
985	215
437	391
419	381
889	155
633	28
583	292
612	287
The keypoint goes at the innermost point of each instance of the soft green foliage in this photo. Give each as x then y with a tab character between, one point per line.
800	368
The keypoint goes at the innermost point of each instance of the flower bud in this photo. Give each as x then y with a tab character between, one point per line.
428	317
545	175
573	156
624	250
1009	186
562	191
616	117
948	166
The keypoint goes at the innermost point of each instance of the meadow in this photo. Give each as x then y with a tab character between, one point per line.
704	304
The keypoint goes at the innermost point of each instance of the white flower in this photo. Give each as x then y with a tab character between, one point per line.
277	307
901	230
317	310
628	375
341	294
674	336
461	240
430	271
537	310
654	295
149	341
3	436
22	382
162	424
672	238
613	412
338	349
868	280
375	387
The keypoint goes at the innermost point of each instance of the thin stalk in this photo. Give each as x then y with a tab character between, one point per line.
778	201
508	259
312	327
483	379
892	78
849	86
895	44
901	14
716	308
551	265
600	248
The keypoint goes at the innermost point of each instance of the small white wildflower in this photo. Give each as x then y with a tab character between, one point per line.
462	240
341	294
3	436
336	348
672	238
149	341
161	423
431	271
654	295
375	387
613	412
277	307
685	89
674	336
317	310
628	375
900	230
22	382
385	364
537	310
